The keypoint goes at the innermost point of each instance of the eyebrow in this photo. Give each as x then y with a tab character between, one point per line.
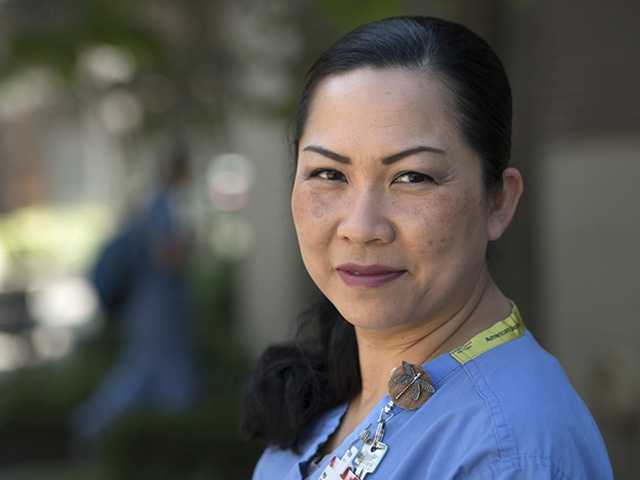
385	161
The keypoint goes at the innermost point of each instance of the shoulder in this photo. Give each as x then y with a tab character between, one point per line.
537	419
285	463
273	463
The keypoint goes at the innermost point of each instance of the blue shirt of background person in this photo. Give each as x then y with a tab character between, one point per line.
156	366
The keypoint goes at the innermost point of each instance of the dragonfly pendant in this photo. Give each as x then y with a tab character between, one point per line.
410	386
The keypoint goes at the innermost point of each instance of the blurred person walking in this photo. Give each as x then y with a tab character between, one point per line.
140	278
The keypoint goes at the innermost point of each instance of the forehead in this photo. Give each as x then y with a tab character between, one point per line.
380	107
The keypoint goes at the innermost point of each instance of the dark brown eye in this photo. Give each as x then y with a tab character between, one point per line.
413	177
328	174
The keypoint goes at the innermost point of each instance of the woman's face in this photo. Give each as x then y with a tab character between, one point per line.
388	202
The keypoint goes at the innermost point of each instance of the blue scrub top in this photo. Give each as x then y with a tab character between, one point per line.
509	413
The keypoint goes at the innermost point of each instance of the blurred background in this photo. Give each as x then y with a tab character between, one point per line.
154	133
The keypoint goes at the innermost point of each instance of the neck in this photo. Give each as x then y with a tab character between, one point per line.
381	351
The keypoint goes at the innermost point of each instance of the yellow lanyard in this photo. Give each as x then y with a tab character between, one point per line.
499	333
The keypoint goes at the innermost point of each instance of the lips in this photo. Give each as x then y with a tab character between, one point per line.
368	275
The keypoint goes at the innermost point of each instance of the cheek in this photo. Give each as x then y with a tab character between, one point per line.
442	223
319	205
312	213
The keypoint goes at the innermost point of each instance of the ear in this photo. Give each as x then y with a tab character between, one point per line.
504	203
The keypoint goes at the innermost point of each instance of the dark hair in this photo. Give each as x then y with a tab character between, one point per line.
294	383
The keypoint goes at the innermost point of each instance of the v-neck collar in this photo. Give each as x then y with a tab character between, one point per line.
439	369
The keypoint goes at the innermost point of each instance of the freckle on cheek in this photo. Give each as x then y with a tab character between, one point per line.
318	206
444	243
419	211
317	211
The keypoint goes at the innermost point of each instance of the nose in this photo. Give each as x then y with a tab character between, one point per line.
365	221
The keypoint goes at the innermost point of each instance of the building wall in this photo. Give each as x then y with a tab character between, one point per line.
578	86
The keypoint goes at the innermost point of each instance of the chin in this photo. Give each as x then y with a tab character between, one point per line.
374	317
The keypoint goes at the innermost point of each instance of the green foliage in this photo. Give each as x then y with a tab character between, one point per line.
153	446
348	14
74	234
35	402
204	442
55	35
74	26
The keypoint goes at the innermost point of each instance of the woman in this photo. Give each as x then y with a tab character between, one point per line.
415	364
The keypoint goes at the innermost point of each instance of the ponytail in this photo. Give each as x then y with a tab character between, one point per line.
294	383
